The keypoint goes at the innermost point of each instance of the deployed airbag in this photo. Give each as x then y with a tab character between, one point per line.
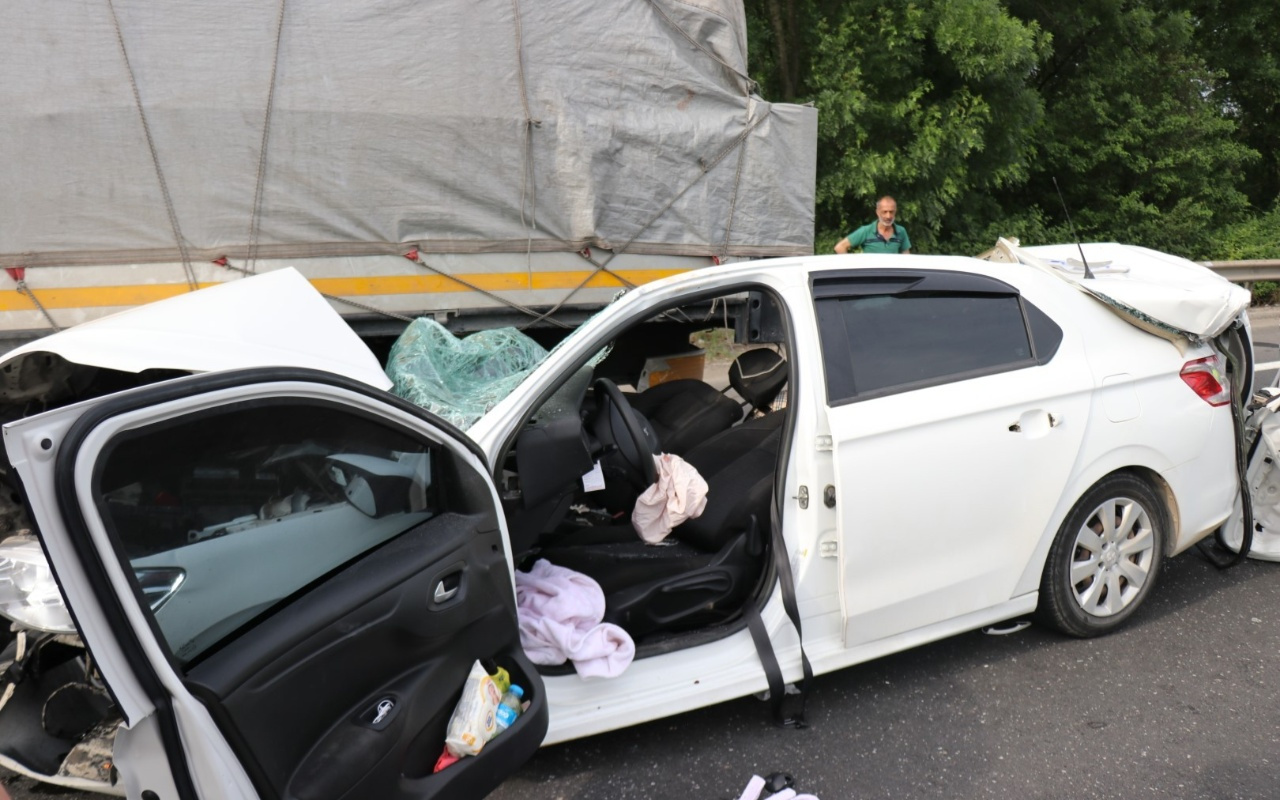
679	494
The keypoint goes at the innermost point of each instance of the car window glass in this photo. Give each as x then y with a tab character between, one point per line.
876	344
224	515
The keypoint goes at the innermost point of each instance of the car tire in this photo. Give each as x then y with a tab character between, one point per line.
1095	578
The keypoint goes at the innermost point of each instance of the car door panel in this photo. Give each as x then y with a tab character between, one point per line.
342	640
956	409
944	503
288	679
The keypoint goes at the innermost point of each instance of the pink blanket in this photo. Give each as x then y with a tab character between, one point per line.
560	619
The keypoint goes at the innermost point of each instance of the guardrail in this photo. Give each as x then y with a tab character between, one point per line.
1262	269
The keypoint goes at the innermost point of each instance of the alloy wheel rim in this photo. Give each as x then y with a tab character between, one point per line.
1112	557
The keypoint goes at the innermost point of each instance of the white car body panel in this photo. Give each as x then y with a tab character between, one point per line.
846	620
214	767
211	760
956	435
859	598
275	319
1264	487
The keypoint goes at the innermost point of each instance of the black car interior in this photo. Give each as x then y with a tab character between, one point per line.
703	573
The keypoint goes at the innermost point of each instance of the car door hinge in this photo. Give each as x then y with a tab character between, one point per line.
803	496
823	444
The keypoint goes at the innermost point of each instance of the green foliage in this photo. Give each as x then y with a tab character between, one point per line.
927	101
1238	39
1265	293
1157	119
1141	150
1256	237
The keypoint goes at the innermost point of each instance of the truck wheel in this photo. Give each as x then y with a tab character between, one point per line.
1105	559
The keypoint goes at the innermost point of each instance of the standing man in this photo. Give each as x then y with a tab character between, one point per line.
882	236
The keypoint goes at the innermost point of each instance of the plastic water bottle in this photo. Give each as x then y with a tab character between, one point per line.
509	708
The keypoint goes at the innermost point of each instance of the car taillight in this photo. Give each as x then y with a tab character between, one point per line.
1206	378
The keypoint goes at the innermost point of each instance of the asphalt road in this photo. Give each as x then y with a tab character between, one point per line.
1181	703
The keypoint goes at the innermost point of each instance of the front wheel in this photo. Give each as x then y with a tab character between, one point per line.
1105	559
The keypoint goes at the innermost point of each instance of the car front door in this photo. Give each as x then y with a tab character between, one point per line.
285	578
956	409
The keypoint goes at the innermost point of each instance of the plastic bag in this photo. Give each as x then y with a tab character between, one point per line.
474	719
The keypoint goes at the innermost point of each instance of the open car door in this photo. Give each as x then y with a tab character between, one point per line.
284	578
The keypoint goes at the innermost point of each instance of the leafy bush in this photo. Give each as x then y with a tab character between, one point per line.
1265	293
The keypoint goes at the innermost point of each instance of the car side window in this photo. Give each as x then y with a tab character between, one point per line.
226	514
884	336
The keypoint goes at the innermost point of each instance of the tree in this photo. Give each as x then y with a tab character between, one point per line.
1131	130
927	101
1237	38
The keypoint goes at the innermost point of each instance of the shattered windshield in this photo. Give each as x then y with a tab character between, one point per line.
461	379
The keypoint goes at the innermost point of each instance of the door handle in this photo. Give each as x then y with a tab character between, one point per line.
445	593
1032	423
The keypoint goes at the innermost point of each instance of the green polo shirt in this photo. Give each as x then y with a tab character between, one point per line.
869	239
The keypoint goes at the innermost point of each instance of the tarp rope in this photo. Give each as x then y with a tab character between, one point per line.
416	258
528	186
704	167
748	84
586	254
255	217
155	156
222	262
733	200
19	275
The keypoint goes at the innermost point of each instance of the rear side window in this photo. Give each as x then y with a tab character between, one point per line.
225	515
880	343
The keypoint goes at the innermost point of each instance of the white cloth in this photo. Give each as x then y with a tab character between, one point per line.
756	785
560	619
680	493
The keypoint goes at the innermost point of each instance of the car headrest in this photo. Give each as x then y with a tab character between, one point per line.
758	375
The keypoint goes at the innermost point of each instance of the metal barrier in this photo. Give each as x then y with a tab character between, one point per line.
1263	269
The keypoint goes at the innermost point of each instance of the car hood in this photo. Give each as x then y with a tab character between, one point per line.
275	319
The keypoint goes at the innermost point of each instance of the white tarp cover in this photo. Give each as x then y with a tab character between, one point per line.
1155	288
393	122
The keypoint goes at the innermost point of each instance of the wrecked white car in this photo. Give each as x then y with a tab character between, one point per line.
264	549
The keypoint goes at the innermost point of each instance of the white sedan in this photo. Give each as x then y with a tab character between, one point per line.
284	572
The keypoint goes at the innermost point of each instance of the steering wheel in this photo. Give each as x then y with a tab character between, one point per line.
618	423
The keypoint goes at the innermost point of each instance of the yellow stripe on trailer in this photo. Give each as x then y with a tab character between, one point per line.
140	294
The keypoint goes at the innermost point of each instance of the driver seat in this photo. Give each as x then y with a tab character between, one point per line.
705	569
686	412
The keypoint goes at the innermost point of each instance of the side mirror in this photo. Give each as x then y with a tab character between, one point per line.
379	487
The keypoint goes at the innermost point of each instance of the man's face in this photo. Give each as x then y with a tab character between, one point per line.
886	212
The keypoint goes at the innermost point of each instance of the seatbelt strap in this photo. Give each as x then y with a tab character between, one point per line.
764	648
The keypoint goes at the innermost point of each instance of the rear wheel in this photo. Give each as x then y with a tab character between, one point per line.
1105	559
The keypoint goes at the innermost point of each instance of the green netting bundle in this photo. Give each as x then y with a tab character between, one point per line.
459	379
